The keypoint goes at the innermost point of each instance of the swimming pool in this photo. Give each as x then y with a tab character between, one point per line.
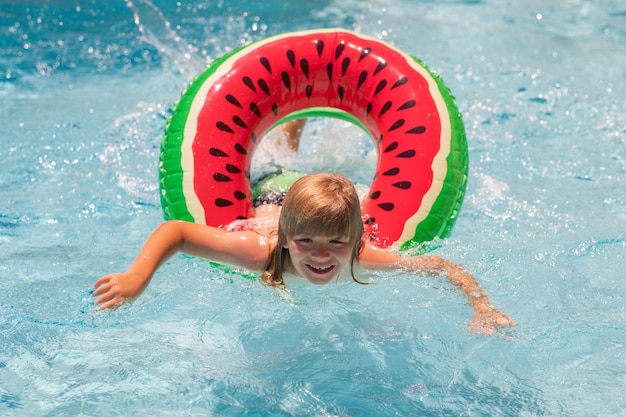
85	89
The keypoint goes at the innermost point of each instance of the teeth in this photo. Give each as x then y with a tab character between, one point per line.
320	268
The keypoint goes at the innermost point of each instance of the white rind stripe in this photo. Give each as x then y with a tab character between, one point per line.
194	206
439	164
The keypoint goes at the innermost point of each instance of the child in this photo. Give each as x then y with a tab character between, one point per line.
314	237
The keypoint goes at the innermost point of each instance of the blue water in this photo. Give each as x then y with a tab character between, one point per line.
85	89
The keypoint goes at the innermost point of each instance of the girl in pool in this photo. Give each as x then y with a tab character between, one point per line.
313	233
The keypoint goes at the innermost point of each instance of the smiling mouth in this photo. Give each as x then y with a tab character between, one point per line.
321	270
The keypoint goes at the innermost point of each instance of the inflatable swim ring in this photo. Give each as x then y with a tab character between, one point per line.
412	117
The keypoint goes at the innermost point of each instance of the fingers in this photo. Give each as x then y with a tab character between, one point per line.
107	304
106	300
109	300
488	323
105	290
504	321
113	290
102	281
101	289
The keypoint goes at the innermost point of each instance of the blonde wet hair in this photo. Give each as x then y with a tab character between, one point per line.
319	204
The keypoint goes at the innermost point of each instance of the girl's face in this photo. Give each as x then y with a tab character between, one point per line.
319	259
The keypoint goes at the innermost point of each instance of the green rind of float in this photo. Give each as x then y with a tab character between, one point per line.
170	159
322	112
447	205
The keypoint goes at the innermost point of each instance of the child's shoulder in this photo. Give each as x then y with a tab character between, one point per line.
377	258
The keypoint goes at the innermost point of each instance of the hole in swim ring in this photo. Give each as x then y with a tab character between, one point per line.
325	144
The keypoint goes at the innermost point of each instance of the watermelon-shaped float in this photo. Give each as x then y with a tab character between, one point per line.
412	117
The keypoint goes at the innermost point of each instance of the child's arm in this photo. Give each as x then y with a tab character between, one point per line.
292	131
245	249
486	317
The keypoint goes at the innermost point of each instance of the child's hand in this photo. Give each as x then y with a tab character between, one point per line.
486	319
114	289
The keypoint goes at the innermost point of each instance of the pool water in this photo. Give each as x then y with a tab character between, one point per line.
85	90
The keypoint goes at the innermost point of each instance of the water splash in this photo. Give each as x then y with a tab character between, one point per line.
156	30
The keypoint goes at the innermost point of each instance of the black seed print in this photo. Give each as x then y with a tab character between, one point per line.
275	109
232	169
380	139
407	154
253	137
339	50
309	91
218	152
398	124
222	202
381	66
375	195
344	66
241	149
232	100
239	195
329	71
291	56
400	82
386	206
391	147
403	185
365	53
246	174
407	105
224	127
285	77
221	177
248	82
362	78
239	122
319	45
263	86
385	108
370	220
417	130
255	109
342	92
304	66
368	109
382	84
266	64
391	172
241	218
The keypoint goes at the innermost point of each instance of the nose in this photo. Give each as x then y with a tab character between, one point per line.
320	251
